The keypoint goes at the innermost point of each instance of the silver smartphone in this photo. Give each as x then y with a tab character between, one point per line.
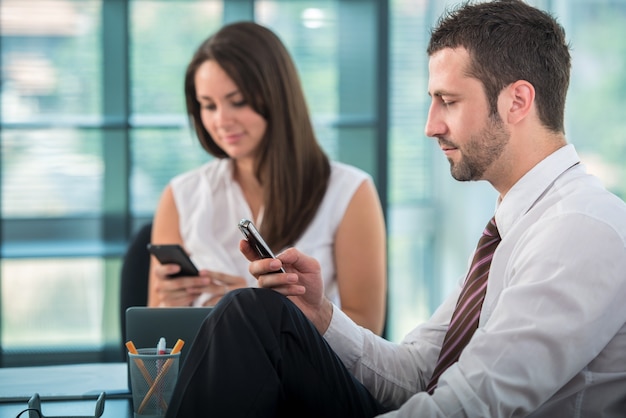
255	239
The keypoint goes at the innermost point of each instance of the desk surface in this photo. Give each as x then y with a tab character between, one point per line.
113	408
66	390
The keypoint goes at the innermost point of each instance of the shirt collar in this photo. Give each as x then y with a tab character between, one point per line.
532	186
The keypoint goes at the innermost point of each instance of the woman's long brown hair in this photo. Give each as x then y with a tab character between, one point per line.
291	166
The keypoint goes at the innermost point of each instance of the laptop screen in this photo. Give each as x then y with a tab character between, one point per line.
146	325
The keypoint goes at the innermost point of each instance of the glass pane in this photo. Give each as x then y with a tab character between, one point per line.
327	137
410	167
410	193
410	294
158	155
51	173
309	31
160	53
164	36
595	121
50	60
49	303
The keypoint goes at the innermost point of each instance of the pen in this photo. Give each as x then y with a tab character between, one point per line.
160	350
161	346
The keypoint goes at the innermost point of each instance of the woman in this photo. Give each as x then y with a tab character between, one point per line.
248	109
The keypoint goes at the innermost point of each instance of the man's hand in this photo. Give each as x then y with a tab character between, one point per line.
302	282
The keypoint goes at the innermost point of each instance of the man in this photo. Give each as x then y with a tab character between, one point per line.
540	323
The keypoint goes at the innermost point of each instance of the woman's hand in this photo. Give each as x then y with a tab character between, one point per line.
179	291
221	283
182	291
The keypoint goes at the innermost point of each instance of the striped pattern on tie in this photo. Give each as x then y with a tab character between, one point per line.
464	320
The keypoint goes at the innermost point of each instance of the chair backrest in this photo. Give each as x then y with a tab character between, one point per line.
134	274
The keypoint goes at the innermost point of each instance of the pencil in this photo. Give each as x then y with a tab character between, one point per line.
131	347
142	368
178	346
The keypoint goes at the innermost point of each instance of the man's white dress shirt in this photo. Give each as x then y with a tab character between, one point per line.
552	336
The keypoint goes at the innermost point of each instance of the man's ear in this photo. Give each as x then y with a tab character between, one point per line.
521	95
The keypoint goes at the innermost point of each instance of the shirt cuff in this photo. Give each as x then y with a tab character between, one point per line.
345	337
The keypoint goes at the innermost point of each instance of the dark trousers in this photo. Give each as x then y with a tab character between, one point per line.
257	355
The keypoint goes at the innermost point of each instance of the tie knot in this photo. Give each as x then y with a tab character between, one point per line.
491	230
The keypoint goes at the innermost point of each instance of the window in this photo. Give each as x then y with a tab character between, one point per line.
434	222
92	126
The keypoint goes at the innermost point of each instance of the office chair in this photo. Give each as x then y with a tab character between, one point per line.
134	274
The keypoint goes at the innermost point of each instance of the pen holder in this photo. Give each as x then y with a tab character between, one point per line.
152	377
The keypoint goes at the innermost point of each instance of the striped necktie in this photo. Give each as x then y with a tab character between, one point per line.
464	320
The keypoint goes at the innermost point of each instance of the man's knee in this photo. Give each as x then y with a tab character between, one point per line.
255	296
254	303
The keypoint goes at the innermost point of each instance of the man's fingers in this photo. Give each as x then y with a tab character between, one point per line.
246	249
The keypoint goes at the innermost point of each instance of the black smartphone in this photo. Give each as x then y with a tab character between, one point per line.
174	254
255	239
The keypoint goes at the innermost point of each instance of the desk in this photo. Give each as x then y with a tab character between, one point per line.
66	390
113	408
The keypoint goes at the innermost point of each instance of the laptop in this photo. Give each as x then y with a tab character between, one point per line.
146	325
